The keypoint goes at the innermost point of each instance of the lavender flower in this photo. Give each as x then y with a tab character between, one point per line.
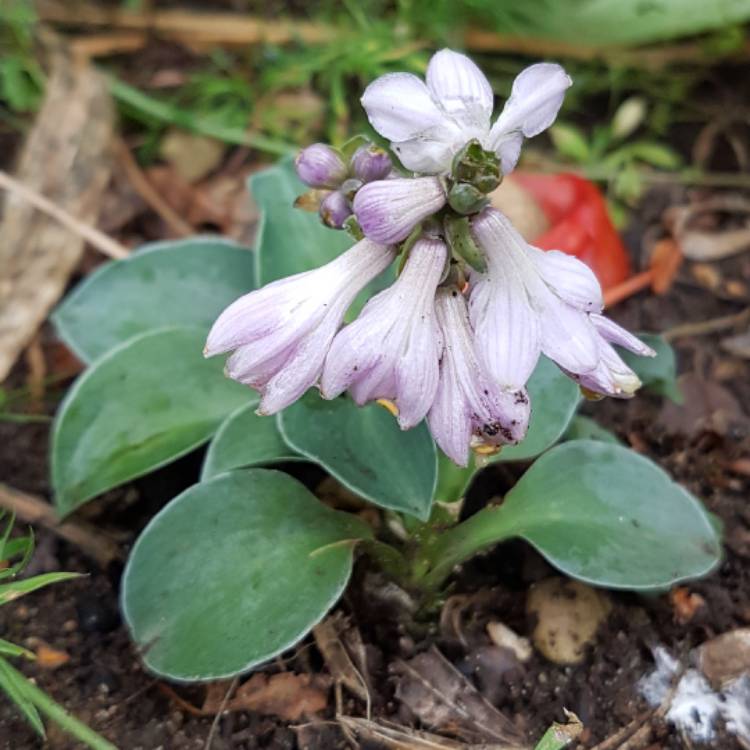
391	351
281	333
428	124
470	408
335	209
371	163
320	166
530	302
388	210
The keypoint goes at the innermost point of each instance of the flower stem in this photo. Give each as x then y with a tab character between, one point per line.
59	715
442	553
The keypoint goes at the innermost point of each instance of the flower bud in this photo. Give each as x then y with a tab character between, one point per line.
335	210
465	199
320	166
348	188
371	163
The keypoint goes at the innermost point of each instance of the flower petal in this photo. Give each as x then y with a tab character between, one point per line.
391	350
569	278
400	107
425	156
611	377
534	102
388	210
568	337
461	89
615	334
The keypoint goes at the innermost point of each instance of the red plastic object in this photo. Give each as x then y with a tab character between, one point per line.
580	223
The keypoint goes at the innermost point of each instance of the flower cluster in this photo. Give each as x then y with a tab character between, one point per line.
456	337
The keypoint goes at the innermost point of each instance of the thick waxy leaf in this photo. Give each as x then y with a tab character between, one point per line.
554	399
659	373
140	406
364	449
585	428
186	282
245	439
606	515
233	572
291	240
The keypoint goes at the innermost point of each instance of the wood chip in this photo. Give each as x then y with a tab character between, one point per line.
66	160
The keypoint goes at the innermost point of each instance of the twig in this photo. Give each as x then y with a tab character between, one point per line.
217	718
146	190
181	702
102	242
712	325
31	509
627	288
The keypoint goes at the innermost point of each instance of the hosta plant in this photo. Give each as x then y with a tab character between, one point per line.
403	336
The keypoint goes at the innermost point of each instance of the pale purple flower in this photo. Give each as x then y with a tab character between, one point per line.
530	302
335	209
391	350
280	333
470	408
388	210
320	166
428	123
371	163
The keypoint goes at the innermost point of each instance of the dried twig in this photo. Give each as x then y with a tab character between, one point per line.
712	325
100	241
215	723
88	539
148	192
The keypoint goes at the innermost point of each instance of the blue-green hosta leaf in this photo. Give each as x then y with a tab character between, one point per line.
233	572
606	515
143	404
585	428
658	374
364	449
291	240
183	282
245	439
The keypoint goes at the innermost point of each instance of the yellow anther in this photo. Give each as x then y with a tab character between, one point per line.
389	406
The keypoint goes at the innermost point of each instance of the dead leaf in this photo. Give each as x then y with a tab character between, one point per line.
726	657
287	695
50	658
443	699
685	604
738	346
689	224
665	262
384	735
337	658
65	159
568	615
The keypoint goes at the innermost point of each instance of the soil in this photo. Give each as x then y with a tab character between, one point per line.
103	683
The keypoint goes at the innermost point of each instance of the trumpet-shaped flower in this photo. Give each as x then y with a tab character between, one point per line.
280	333
470	409
530	302
391	350
388	210
428	123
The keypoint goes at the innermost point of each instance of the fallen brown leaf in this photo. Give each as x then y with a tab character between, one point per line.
685	604
726	657
50	658
443	699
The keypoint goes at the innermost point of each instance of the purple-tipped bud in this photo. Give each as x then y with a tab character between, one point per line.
371	163
335	210
320	166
